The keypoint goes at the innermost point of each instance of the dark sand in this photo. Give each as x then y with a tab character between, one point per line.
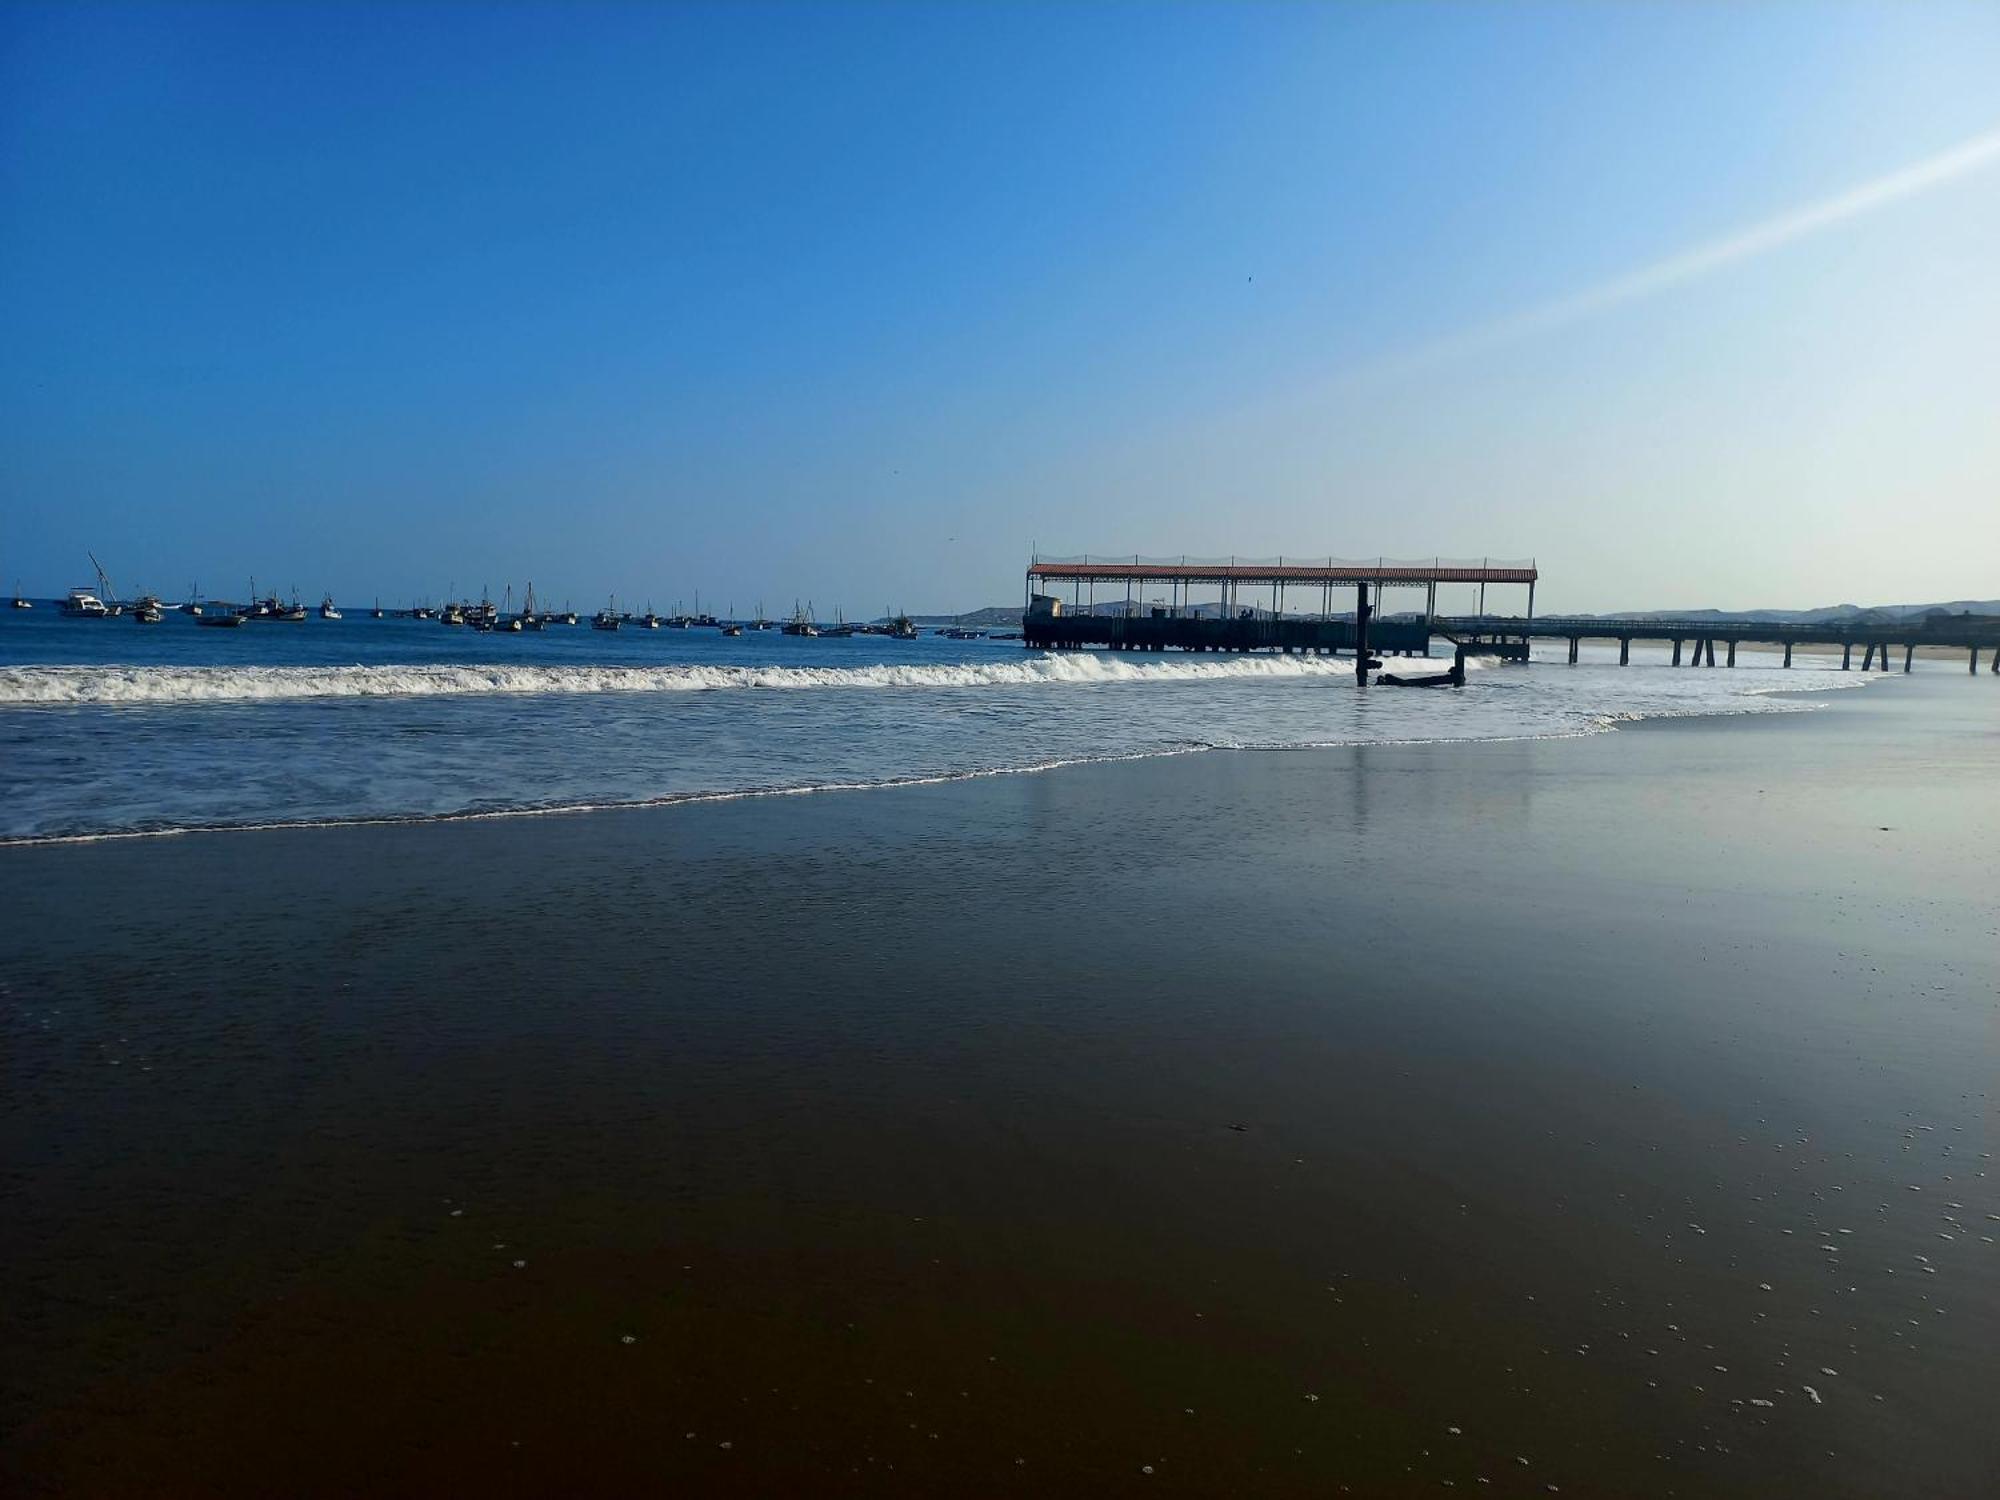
1361	1121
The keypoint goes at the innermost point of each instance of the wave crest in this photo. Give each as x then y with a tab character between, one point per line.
77	687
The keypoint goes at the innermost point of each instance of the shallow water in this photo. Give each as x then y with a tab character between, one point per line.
109	727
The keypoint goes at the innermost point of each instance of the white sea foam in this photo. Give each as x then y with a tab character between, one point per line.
113	686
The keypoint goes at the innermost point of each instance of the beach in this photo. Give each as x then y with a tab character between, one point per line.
1608	1114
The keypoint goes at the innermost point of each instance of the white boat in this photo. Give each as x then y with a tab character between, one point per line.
528	619
82	604
326	609
21	600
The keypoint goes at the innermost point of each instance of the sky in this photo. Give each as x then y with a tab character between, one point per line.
1696	305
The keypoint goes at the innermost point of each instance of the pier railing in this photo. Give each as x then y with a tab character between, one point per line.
1949	630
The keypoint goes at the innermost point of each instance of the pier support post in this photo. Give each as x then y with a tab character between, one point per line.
1709	645
1908	652
1624	650
1788	653
1572	650
1868	658
1361	614
1846	656
1677	651
1974	667
1732	653
1885	656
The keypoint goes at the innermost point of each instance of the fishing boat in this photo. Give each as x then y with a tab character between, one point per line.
326	609
193	605
801	622
223	620
902	628
146	610
607	618
528	619
20	600
649	620
82	604
376	612
732	628
293	613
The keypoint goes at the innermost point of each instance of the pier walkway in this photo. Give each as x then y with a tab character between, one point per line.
1969	633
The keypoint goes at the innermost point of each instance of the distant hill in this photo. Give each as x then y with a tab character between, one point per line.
1886	614
994	616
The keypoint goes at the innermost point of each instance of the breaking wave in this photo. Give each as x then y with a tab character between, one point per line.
71	687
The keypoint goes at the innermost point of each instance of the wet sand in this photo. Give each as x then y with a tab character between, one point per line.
1293	1123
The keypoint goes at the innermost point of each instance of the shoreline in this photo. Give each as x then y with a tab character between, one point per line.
1606	725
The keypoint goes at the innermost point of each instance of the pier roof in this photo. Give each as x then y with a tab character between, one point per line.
1100	567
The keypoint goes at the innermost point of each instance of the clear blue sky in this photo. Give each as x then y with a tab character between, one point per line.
855	302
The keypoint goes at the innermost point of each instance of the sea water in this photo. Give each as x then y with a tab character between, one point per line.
108	727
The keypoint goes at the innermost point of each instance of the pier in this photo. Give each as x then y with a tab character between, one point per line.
1252	604
1694	641
1237	617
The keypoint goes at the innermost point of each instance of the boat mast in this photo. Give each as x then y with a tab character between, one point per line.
103	579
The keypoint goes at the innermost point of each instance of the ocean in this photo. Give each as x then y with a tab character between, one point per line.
112	728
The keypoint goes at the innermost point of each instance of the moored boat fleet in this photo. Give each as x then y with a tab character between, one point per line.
483	616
